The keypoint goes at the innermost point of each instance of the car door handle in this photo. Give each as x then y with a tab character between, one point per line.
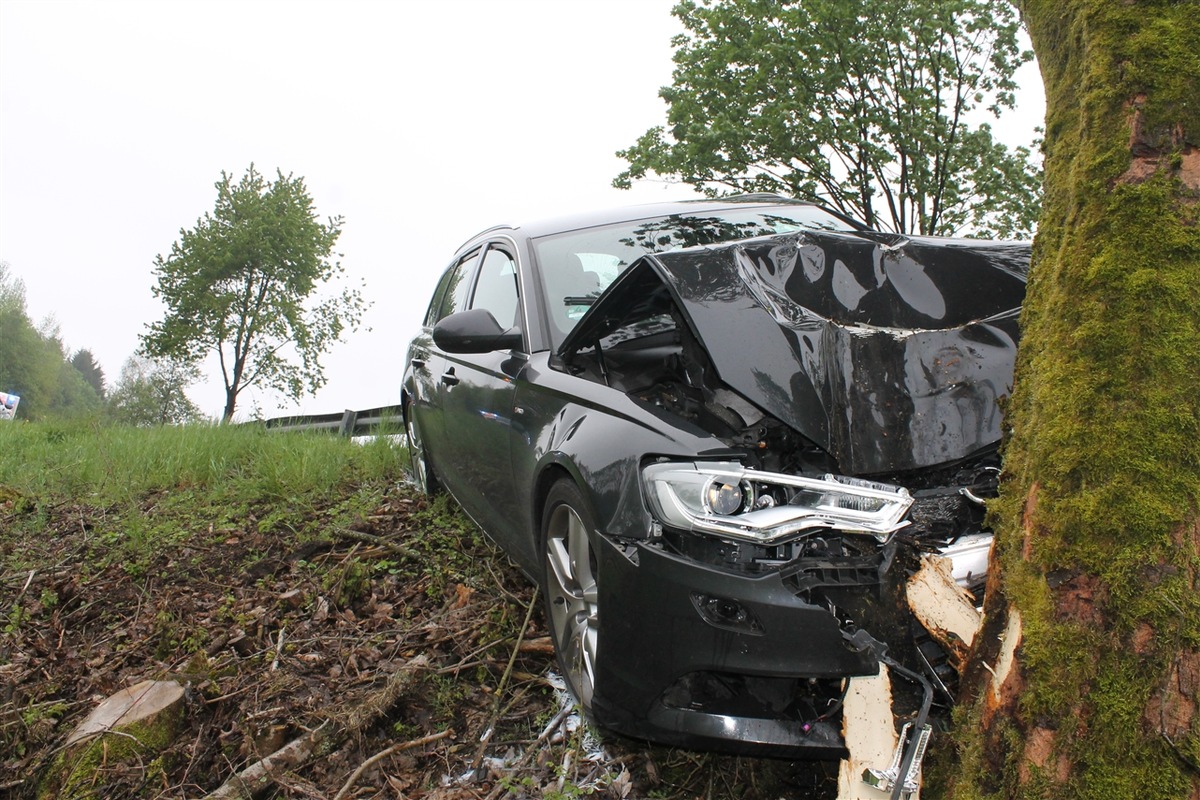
449	378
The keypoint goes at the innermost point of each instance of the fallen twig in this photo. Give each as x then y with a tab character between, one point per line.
261	774
500	584
541	645
382	754
329	734
370	538
565	768
25	588
466	660
278	649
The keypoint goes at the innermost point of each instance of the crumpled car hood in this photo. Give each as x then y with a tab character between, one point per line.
890	352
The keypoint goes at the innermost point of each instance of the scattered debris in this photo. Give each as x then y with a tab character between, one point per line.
888	778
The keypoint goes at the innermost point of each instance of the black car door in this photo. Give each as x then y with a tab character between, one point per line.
429	368
477	400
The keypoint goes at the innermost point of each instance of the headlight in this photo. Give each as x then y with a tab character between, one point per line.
726	499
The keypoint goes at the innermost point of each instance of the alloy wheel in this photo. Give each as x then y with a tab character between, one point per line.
572	599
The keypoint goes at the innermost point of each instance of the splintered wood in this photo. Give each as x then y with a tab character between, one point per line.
944	608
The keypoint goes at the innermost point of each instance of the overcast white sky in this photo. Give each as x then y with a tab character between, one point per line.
419	122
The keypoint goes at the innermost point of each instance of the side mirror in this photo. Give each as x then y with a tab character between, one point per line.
474	331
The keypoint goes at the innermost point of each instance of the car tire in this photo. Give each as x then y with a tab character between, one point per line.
570	587
419	469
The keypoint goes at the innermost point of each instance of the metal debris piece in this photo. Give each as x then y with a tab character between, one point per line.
886	779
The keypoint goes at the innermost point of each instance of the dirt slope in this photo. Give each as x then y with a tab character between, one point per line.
274	634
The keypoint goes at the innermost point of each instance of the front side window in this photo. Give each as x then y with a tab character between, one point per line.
496	288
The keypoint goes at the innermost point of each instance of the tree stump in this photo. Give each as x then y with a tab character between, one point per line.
138	721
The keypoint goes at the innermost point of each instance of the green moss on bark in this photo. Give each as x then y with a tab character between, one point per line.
1097	519
74	772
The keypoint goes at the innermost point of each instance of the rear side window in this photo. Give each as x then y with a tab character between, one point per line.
453	290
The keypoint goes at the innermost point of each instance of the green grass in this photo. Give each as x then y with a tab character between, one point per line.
109	464
157	486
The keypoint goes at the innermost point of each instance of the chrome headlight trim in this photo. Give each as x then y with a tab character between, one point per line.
678	494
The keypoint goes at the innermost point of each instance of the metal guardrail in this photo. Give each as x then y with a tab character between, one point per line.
347	423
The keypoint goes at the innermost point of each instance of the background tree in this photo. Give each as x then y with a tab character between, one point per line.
242	284
85	362
33	361
1092	623
151	392
861	104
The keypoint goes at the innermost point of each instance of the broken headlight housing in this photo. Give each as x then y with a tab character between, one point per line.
727	499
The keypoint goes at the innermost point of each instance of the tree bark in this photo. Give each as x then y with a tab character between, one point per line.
1085	680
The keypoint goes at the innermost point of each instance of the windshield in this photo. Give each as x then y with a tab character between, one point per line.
578	265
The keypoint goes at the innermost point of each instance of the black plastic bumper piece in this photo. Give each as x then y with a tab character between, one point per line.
778	659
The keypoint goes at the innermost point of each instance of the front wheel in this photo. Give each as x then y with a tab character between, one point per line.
571	588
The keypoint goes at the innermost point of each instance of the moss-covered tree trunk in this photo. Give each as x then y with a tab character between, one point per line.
1086	680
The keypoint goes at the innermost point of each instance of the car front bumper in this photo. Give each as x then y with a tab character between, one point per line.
701	656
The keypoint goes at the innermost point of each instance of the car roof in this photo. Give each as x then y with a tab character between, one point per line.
590	219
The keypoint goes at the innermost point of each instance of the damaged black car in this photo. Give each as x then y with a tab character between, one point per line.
721	435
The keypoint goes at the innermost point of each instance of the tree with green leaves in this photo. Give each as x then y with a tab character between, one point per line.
85	362
1085	680
244	283
152	392
864	105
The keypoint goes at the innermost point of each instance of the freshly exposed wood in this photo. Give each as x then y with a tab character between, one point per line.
141	704
870	733
136	722
1008	649
944	608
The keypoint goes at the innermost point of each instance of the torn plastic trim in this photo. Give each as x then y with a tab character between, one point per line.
729	500
969	558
